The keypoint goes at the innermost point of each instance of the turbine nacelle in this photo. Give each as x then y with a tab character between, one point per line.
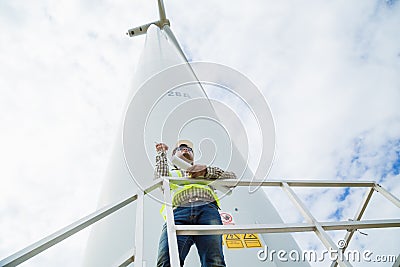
143	28
163	21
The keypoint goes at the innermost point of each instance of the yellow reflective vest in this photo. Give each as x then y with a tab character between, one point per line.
176	189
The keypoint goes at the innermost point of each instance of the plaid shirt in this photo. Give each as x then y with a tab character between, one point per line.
194	193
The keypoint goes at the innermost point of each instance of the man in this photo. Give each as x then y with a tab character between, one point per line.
193	204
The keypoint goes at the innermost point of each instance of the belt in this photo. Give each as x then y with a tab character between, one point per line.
197	202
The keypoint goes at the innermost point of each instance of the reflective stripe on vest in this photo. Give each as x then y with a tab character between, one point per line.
176	189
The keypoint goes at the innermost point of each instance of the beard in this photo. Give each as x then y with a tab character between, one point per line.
187	156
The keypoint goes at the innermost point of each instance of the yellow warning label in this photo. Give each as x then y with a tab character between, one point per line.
252	241
233	241
242	241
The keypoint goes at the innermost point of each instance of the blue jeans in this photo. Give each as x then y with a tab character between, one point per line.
209	247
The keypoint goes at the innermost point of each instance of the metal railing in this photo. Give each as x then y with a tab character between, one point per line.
173	230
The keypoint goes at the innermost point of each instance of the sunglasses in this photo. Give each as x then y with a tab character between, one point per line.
184	147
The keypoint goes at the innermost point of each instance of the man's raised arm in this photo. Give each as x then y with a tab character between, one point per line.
161	169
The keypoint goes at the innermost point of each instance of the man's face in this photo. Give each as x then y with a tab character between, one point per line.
186	153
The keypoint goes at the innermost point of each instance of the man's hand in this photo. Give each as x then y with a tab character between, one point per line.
161	147
197	171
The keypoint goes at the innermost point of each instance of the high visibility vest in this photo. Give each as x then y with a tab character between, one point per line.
176	189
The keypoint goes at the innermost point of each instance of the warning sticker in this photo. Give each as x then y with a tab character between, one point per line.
233	241
252	241
242	241
226	218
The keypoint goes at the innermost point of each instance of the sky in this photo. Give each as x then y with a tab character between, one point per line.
330	71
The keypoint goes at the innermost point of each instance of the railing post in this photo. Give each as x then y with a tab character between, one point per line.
319	231
387	195
139	229
171	231
357	217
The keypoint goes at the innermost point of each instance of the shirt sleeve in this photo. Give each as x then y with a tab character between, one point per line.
217	173
161	169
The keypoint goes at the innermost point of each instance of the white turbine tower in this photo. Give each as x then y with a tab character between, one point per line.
168	103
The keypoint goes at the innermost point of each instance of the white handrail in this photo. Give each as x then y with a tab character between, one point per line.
47	242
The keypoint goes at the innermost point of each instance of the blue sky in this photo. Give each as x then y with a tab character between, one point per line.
329	70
